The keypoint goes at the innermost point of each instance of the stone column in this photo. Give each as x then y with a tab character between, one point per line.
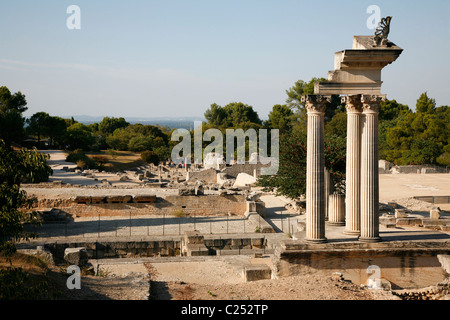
315	187
336	209
353	164
328	189
369	169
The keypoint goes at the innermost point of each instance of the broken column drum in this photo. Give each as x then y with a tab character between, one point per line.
336	209
315	164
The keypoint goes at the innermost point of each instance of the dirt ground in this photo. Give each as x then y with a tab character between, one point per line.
212	280
307	287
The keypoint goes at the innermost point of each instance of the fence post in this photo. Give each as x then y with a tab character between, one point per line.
289	225
164	222
281	213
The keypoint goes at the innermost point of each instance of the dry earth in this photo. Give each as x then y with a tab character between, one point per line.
211	280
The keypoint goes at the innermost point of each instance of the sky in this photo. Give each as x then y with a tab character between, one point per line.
174	58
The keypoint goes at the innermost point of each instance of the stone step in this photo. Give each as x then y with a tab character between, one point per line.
254	272
191	250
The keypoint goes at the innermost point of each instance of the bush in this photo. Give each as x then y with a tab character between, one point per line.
15	284
81	159
150	157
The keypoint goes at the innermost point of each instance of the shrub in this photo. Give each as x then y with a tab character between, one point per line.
82	160
179	213
150	157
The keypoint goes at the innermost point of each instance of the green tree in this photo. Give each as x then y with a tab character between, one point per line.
337	125
290	180
425	104
281	117
150	157
79	137
391	109
216	116
11	120
137	138
38	124
235	114
16	167
56	130
293	101
108	125
416	138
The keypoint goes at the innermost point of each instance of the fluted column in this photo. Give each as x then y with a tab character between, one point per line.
328	189
353	164
369	169
315	164
336	209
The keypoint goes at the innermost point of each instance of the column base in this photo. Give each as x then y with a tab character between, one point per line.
323	240
351	232
369	240
333	223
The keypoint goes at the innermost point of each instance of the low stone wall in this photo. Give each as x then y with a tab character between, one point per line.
207	175
403	264
118	249
103	249
203	205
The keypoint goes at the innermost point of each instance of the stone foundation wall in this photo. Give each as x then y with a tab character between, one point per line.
204	205
412	267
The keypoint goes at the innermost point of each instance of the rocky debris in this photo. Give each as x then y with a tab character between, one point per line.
438	292
52	215
435	213
76	256
244	179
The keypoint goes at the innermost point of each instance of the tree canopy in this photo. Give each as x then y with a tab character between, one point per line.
233	115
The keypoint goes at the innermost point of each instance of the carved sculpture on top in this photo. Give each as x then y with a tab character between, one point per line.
382	32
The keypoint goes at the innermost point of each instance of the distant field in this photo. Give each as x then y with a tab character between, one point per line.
118	160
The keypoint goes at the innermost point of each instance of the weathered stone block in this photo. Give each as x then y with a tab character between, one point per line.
82	199
118	199
99	199
258	243
193	237
76	256
400	213
144	199
256	272
196	250
435	213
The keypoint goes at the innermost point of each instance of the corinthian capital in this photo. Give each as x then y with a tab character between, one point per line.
353	103
315	102
372	102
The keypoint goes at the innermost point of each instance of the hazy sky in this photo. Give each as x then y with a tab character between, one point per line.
177	57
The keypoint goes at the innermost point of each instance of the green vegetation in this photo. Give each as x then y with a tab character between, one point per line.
17	166
405	137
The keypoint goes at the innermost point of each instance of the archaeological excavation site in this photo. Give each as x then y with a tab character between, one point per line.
278	225
207	231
